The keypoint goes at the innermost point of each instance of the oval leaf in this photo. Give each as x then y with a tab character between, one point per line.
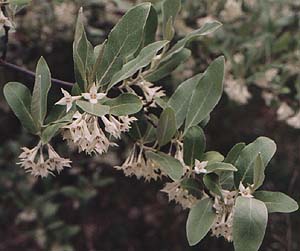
193	145
220	166
277	202
167	163
249	224
94	109
246	160
200	220
125	104
166	126
40	92
207	93
19	98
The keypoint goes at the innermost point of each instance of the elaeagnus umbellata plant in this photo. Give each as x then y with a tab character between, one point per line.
117	94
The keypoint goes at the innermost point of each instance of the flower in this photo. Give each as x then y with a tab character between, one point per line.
93	96
136	164
34	162
284	111
151	92
179	195
67	99
85	133
115	126
294	121
237	90
4	21
232	10
245	192
200	166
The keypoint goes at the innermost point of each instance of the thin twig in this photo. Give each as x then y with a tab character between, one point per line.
5	38
31	73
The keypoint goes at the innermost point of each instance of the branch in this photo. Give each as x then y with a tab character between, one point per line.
32	74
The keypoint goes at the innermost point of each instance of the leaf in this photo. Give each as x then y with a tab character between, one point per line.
170	9
150	28
125	104
165	68
220	166
200	220
180	100
94	109
212	183
123	41
19	99
166	128
207	93
206	29
40	92
171	166
83	54
277	202
194	144
51	131
259	172
226	178
143	59
249	224
234	153
212	157
246	160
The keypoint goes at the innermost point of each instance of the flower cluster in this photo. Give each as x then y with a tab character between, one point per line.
138	165
179	195
86	134
224	210
33	161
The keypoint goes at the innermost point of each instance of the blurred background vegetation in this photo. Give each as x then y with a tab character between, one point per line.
93	207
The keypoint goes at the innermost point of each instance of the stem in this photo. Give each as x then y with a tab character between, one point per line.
31	73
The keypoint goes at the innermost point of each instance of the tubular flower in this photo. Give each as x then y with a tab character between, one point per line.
245	192
200	166
93	96
34	162
137	165
224	210
179	195
151	92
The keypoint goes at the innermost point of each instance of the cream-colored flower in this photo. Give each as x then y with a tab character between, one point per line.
93	96
179	195
294	121
232	10
245	192
200	166
151	92
284	111
67	100
237	90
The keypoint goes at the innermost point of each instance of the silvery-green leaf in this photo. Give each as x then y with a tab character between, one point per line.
226	178
194	144
125	104
212	156
212	183
170	9
40	92
246	160
168	66
277	202
166	128
192	186
51	131
180	99
123	41
143	59
93	109
207	93
249	224
259	172
18	97
220	166
169	165
200	220
206	29
150	27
